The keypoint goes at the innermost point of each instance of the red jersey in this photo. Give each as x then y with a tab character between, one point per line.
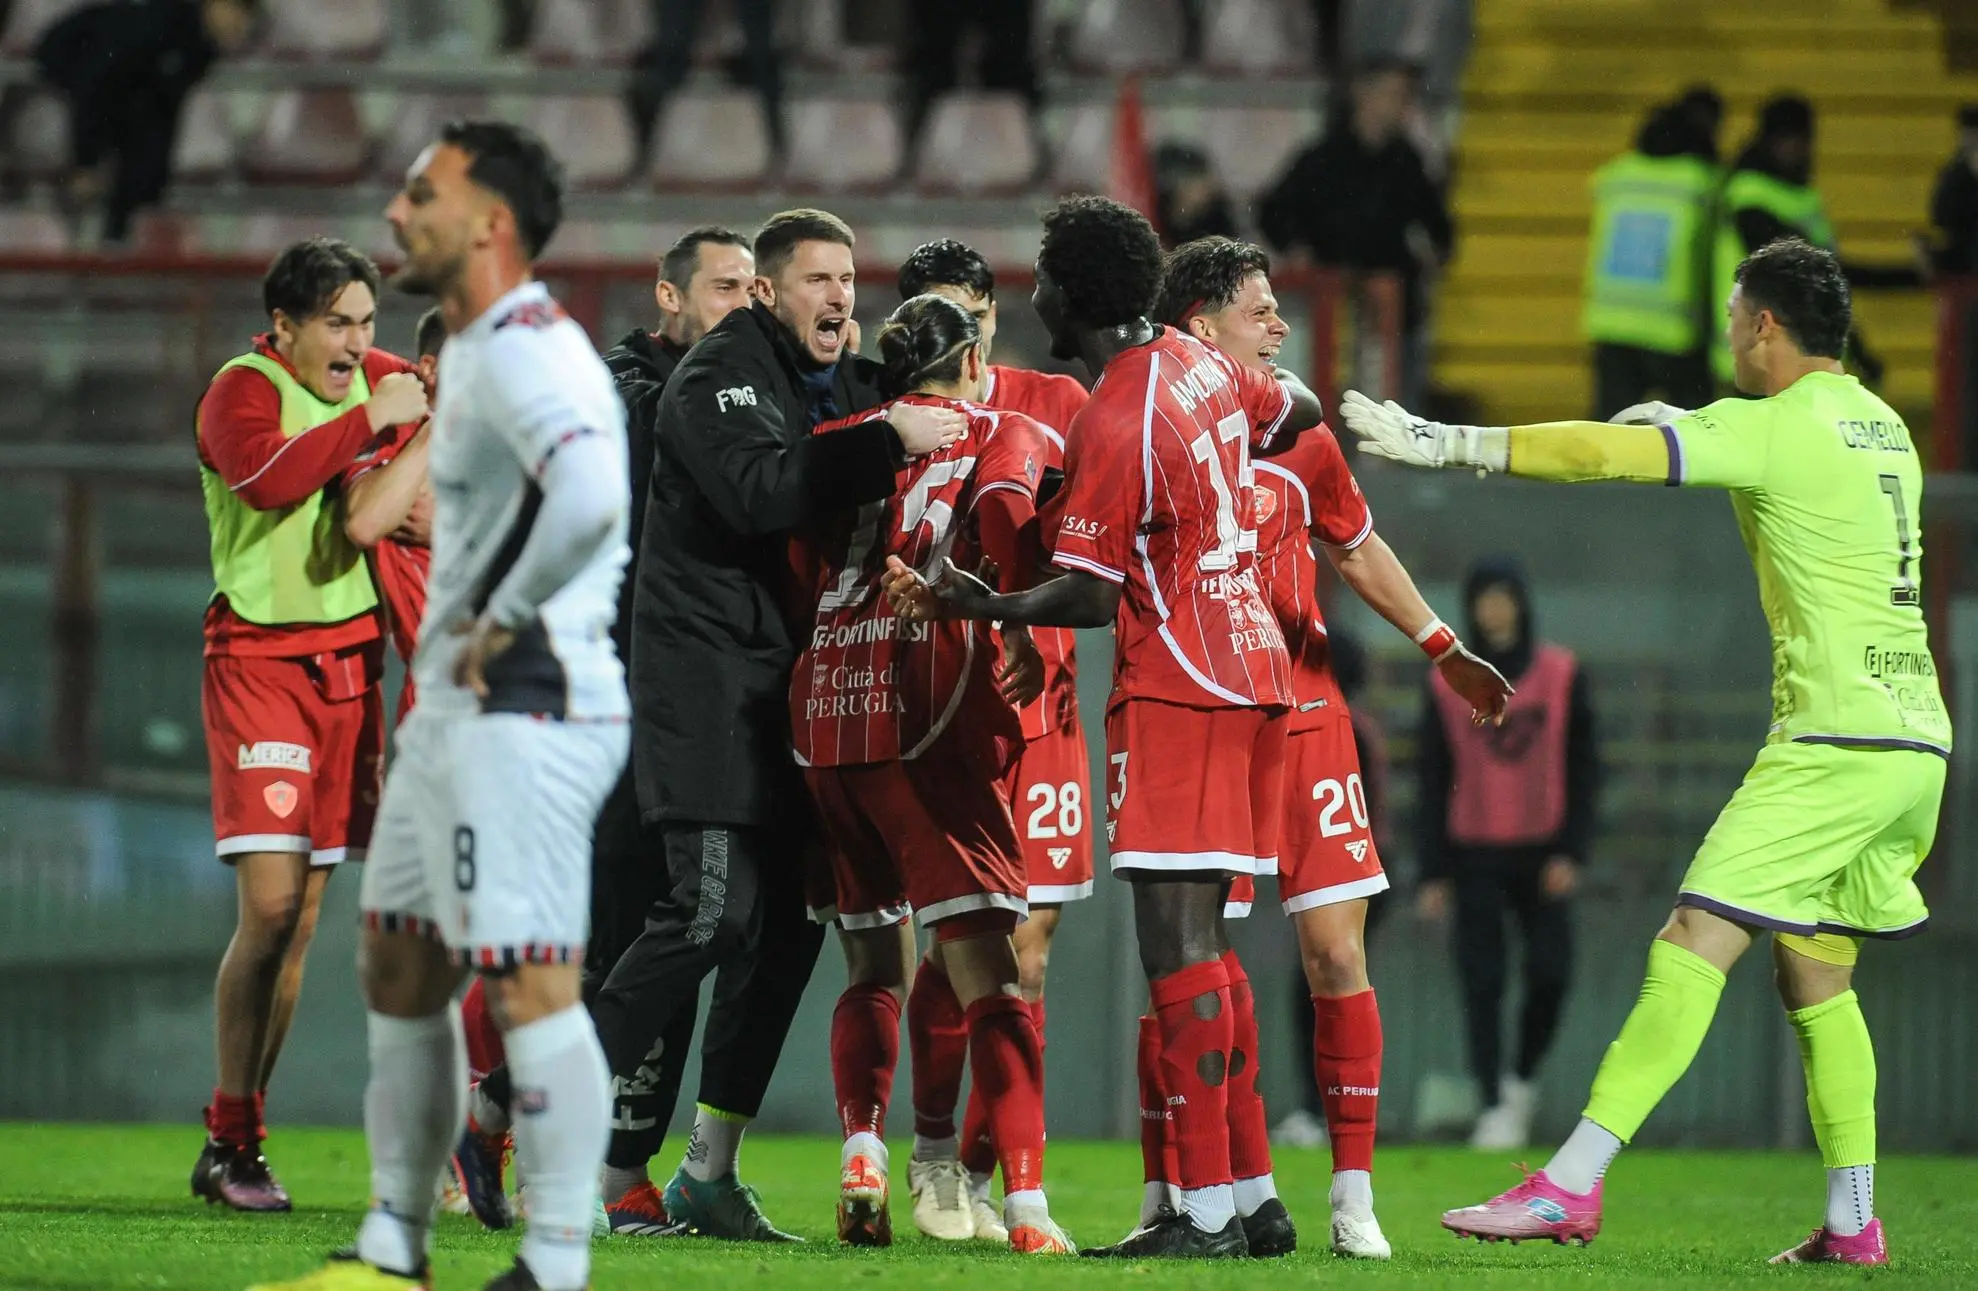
1050	400
240	438
398	568
1158	498
871	687
1303	493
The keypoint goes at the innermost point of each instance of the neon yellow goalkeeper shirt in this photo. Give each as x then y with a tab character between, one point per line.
1828	494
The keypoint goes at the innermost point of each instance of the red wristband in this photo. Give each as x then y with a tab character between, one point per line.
1437	640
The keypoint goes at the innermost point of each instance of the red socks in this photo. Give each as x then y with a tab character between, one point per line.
865	1047
1006	1057
236	1121
938	1037
1157	1154
1346	1049
484	1048
978	1146
1249	1125
1197	1030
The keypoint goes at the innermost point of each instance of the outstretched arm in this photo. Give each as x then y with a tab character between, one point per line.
1567	452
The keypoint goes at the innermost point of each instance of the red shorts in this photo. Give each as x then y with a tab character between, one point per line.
930	837
1048	796
1327	853
296	748
1194	788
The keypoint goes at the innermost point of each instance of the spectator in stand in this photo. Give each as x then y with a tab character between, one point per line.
1306	1126
125	70
662	66
1189	201
1701	109
936	35
1506	817
1954	205
1361	198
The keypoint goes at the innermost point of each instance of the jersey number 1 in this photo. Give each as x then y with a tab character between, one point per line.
1904	591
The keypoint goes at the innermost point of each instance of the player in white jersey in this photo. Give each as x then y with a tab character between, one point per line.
482	852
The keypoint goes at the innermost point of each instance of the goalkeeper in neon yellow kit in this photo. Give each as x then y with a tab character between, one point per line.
1821	843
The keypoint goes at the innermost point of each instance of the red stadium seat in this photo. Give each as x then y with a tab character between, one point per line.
712	140
843	145
1117	36
325	29
1250	147
36	232
1083	150
591	134
37	141
1258	37
415	122
976	143
27	19
206	146
308	137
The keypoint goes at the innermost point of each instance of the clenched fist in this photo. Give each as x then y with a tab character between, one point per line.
396	400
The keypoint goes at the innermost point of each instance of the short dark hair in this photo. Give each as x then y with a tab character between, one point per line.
429	335
777	240
683	258
1803	287
946	263
1203	276
514	164
1106	258
923	342
308	276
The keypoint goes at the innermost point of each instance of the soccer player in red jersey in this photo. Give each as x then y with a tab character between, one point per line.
1219	291
294	727
1048	792
905	738
1157	538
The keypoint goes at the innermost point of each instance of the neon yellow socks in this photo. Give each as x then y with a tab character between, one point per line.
1658	1041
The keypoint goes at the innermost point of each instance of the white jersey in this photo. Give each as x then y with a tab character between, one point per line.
518	384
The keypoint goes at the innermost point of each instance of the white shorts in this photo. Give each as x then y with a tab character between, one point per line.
483	840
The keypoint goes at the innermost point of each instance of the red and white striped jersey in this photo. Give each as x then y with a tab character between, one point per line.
1158	498
870	687
1303	493
1051	400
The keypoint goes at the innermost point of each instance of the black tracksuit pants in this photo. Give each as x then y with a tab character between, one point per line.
1494	886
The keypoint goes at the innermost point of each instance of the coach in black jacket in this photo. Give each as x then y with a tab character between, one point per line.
714	639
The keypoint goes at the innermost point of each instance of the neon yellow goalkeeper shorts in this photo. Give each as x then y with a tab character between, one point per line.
1822	839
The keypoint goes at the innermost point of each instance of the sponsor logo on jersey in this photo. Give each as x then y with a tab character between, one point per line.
735	397
1357	849
1060	856
282	798
1079	527
265	755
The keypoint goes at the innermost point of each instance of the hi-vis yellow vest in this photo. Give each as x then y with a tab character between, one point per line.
1795	205
1648	259
296	564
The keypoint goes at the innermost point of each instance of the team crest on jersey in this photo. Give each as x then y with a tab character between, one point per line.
1060	857
1357	849
282	798
1265	501
272	754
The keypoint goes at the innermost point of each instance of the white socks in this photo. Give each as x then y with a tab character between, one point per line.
714	1151
1209	1209
562	1124
1252	1193
926	1149
414	1111
1157	1194
1352	1191
1850	1199
869	1145
619	1180
1583	1158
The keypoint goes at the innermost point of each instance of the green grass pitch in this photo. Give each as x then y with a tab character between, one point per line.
105	1208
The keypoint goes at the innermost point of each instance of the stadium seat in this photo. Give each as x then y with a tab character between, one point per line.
843	145
1082	160
1258	37
37	141
266	233
308	137
325	29
977	143
1250	147
25	20
32	232
415	122
711	140
1117	36
591	134
573	32
205	148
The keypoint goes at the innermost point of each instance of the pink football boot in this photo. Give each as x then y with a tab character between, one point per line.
1536	1209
